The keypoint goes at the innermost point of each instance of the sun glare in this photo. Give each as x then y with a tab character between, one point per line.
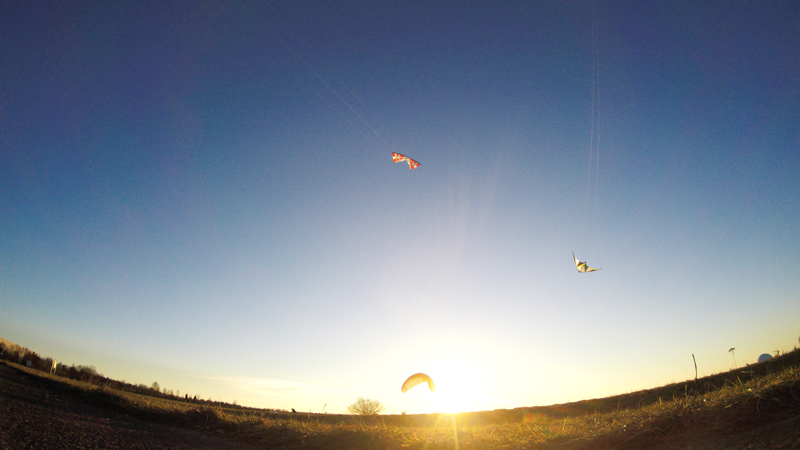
458	388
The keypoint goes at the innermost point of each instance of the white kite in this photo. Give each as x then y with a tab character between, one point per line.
581	265
397	157
416	379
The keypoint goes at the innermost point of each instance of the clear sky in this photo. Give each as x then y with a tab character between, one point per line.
202	194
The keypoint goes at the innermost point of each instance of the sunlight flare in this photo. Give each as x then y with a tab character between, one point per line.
459	388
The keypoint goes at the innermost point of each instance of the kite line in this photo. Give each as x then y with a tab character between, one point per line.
594	133
594	144
330	94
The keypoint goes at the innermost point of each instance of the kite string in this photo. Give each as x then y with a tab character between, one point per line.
312	69
277	35
591	150
594	129
596	76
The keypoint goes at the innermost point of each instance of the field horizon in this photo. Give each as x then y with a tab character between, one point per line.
761	401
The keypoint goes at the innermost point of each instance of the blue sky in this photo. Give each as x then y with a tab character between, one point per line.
202	194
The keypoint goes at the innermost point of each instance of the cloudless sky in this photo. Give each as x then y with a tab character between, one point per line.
201	193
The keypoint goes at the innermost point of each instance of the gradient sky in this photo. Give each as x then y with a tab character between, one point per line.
201	193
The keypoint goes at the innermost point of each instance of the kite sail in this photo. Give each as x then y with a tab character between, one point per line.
581	265
397	157
416	379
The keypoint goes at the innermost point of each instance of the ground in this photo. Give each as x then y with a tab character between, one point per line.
37	416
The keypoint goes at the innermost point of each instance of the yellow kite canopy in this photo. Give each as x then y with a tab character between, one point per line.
582	267
416	379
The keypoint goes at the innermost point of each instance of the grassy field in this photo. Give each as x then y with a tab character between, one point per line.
716	406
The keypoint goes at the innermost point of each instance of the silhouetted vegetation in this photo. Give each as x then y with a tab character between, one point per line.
366	407
88	374
715	406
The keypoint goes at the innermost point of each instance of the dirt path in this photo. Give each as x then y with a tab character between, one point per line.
36	416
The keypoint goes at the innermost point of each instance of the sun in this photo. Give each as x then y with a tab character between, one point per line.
458	387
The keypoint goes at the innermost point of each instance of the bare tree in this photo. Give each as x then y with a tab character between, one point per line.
366	407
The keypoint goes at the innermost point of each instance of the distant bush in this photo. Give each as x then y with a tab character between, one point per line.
366	407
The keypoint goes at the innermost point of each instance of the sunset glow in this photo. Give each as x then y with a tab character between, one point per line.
203	194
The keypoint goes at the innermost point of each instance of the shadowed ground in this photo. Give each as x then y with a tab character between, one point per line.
35	414
44	412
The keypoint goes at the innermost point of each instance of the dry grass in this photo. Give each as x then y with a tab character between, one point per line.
712	406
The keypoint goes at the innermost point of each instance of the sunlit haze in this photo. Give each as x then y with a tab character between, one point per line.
202	194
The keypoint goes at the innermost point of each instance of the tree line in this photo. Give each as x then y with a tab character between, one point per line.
88	374
24	357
